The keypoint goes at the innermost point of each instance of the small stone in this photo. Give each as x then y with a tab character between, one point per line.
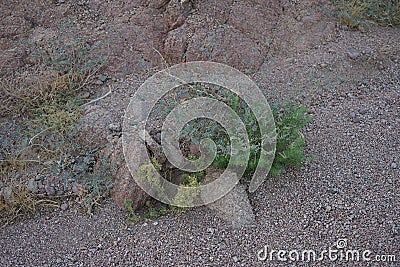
145	224
235	259
352	114
50	191
103	78
114	127
155	223
323	65
356	119
7	194
328	208
85	95
64	206
210	230
33	186
353	53
333	191
393	165
89	160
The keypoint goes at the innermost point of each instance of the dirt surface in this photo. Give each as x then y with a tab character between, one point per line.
349	80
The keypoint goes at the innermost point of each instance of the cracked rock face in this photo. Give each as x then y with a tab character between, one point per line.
142	34
243	34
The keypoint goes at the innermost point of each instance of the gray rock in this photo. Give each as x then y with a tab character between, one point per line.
89	159
353	53
234	208
103	78
115	127
64	206
7	194
85	95
50	191
211	230
33	186
393	165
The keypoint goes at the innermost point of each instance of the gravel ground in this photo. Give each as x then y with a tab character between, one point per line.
350	192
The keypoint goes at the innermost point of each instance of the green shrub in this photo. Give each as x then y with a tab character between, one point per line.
290	143
290	119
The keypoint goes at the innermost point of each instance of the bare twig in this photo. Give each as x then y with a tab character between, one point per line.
36	135
97	99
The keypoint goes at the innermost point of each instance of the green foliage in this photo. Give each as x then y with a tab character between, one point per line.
156	163
289	120
150	214
150	176
187	191
354	13
132	217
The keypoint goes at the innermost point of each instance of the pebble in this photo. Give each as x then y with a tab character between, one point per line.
50	191
353	53
114	127
394	165
333	191
75	188
155	223
328	208
211	230
85	95
103	78
89	159
64	206
33	186
7	193
235	259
